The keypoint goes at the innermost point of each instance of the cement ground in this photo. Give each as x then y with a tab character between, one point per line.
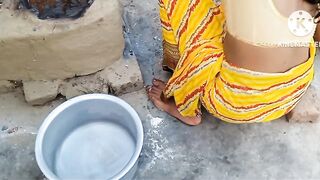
213	150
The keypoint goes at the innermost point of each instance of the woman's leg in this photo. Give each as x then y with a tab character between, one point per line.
155	93
171	54
192	32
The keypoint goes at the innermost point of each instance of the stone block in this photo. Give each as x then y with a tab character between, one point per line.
40	92
308	109
6	86
83	85
124	76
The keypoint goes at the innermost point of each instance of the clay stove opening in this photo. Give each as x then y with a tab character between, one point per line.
54	9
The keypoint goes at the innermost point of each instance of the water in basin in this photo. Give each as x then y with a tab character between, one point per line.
97	150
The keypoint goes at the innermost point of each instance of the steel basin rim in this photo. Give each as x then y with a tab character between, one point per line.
49	119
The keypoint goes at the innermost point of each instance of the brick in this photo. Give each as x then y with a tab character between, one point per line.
40	92
124	76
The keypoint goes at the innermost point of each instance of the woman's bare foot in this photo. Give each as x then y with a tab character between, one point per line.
168	105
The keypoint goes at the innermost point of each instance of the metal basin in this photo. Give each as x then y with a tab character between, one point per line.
90	137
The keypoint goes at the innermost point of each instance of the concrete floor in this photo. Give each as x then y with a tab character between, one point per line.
213	150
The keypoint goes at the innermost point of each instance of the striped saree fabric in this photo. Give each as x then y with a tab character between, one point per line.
193	32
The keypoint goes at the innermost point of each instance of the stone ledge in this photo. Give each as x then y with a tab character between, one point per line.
124	76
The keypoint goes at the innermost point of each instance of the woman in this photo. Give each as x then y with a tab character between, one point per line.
239	60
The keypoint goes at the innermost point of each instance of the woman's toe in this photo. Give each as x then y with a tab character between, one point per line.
194	121
148	88
155	82
154	95
150	92
157	90
197	121
158	82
